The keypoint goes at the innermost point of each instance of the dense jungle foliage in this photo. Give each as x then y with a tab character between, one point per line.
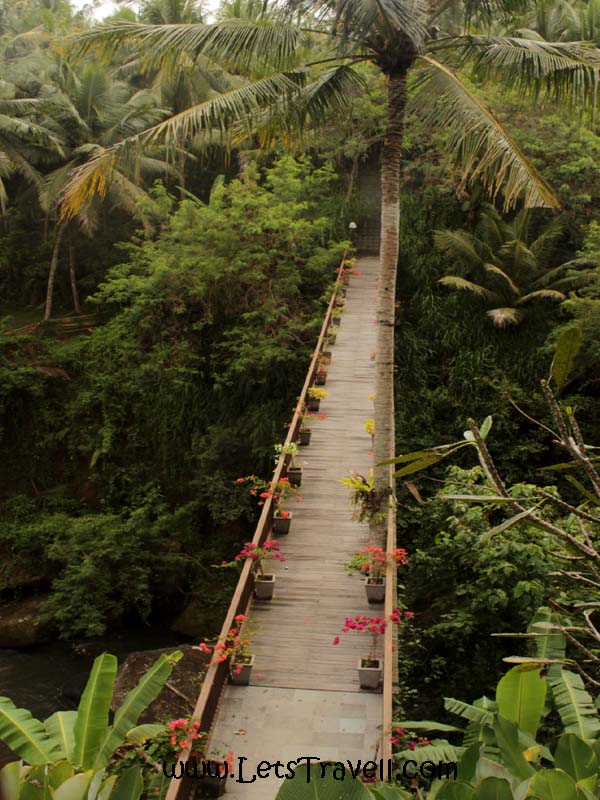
182	311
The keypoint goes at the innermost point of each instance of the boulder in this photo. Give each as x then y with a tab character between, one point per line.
178	696
19	623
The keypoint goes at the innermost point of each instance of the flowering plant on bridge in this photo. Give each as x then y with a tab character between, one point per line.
236	647
184	733
261	554
281	491
371	626
373	561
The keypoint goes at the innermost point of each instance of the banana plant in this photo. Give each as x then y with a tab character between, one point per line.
65	757
500	757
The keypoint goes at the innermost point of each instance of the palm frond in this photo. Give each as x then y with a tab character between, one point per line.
459	245
567	71
542	294
455	282
557	274
501	317
235	44
545	243
494	270
483	147
244	104
321	100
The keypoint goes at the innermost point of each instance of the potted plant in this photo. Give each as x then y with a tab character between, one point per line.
305	431
372	562
370	668
236	650
315	395
280	492
294	471
216	771
264	583
367	506
321	376
332	334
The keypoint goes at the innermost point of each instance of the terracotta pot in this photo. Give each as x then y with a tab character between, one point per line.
264	586
369	676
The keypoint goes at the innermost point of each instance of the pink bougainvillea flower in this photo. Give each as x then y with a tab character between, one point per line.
336	640
205	649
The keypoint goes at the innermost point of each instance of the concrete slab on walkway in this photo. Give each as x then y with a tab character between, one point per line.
270	724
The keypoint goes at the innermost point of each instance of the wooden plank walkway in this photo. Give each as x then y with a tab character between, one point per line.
294	632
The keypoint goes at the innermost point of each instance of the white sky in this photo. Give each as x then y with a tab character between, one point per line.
106	7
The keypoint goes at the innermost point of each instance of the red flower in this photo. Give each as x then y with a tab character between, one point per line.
336	640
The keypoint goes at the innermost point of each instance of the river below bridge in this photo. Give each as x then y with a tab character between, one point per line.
50	677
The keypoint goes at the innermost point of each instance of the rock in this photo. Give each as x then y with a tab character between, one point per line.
19	624
179	695
198	622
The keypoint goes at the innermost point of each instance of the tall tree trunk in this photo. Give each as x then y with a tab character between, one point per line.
388	263
52	274
73	278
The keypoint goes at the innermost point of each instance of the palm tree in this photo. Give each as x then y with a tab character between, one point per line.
24	143
93	110
508	267
401	38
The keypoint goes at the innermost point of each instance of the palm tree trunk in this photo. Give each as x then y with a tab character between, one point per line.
52	275
73	279
388	263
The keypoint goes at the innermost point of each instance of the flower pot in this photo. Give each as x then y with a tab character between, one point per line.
331	338
321	378
304	435
264	586
240	672
313	403
375	588
281	525
326	354
294	475
369	676
211	785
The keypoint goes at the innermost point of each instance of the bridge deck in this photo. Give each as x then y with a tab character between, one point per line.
305	694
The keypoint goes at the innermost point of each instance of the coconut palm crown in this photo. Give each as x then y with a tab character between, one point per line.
401	38
509	267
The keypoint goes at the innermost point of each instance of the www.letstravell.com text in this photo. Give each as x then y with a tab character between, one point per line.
242	772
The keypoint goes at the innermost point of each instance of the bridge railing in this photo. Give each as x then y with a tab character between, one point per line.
216	678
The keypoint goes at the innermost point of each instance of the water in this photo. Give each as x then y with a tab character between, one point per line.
50	677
